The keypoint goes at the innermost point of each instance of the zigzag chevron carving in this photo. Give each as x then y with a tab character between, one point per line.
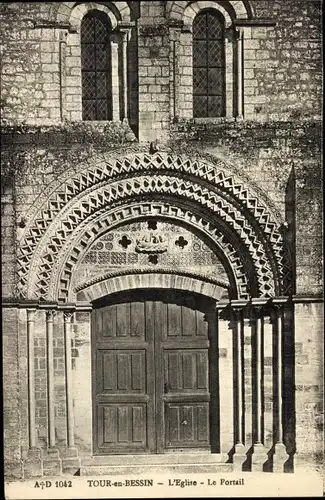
76	249
57	222
107	194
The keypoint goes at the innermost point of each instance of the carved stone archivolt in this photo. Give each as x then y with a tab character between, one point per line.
81	198
180	280
237	273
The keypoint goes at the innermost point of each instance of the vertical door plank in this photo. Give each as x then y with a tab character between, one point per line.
109	371
201	324
123	424
137	371
188	322
123	320
150	376
202	370
123	374
203	423
108	321
137	424
110	423
174	320
174	371
188	371
137	319
187	423
173	424
98	322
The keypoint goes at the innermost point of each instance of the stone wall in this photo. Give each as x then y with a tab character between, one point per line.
285	61
282	65
276	148
12	401
280	159
309	411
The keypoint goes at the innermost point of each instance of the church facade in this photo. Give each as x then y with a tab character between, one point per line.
161	236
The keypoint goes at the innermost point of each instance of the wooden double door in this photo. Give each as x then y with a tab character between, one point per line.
154	373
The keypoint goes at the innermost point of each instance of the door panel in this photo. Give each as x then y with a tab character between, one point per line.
187	425
151	374
186	377
121	371
124	390
122	425
186	370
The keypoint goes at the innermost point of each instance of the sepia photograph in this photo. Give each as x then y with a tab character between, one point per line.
162	248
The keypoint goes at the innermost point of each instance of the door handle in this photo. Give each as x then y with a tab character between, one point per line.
165	388
184	422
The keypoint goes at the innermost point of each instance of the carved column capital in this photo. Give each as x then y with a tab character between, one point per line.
31	315
257	311
277	312
125	32
67	316
237	312
50	315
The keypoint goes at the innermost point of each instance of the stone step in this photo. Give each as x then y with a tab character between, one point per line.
129	470
154	459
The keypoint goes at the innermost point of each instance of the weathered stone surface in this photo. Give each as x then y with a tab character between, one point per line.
274	148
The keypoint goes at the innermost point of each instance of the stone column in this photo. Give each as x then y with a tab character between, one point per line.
259	456
32	464
240	71
239	456
115	82
31	378
50	378
230	74
125	41
68	377
280	455
62	63
183	77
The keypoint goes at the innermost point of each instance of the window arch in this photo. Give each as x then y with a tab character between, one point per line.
96	67
209	74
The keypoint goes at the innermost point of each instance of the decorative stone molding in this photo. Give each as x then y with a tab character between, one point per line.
192	9
90	201
80	196
242	279
80	10
178	9
147	279
75	11
192	162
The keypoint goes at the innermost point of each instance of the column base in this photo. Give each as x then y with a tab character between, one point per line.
33	463
52	452
52	464
13	470
71	465
280	457
239	457
68	452
259	457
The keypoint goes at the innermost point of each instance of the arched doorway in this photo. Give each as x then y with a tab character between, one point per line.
155	373
145	221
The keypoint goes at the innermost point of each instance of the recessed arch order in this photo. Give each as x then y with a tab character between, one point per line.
109	190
